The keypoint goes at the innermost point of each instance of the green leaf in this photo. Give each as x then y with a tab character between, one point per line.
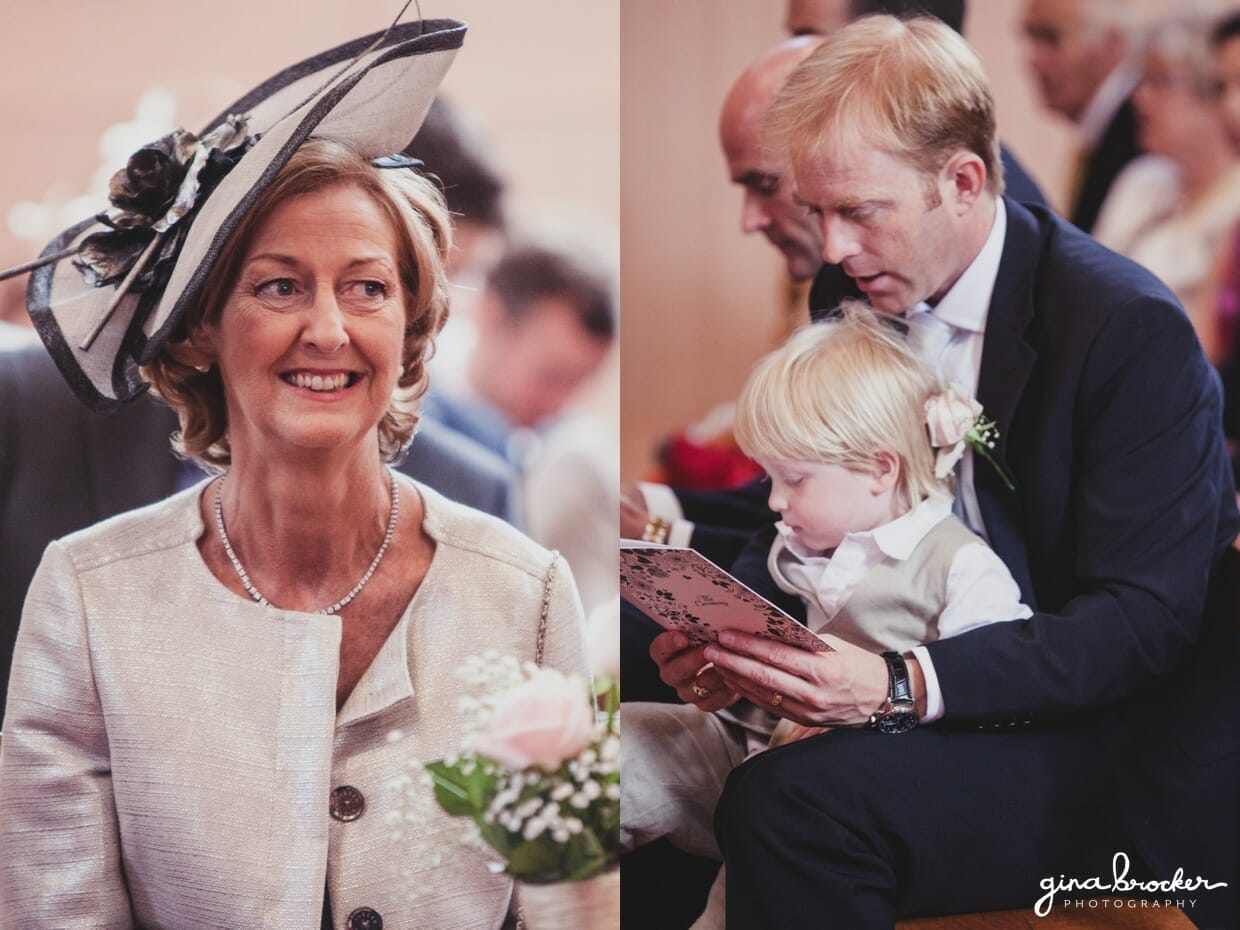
500	839
461	794
535	859
585	856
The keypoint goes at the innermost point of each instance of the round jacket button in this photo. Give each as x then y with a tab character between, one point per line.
346	804
365	919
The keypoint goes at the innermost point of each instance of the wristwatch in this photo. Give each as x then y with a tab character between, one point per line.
899	714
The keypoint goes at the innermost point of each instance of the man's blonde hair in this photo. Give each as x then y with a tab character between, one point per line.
839	392
911	87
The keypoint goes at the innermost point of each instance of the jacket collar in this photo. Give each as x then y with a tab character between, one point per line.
1008	358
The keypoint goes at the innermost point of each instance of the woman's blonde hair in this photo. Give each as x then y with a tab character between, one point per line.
415	208
839	392
1185	40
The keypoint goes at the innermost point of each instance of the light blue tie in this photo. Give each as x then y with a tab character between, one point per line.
929	336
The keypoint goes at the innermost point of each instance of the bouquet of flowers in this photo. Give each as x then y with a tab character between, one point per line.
540	775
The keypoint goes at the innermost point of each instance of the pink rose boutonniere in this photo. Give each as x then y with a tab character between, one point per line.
955	422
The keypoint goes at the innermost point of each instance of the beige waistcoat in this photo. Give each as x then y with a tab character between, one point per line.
897	605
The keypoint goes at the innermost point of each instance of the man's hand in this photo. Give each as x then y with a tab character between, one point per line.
682	667
841	688
633	511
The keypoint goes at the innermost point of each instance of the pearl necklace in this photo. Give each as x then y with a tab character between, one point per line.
344	601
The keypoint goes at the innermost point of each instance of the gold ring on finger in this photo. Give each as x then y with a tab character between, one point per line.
700	689
776	699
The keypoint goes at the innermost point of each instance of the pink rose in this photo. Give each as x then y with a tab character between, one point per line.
949	417
541	722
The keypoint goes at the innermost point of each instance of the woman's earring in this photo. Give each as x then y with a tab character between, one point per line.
203	368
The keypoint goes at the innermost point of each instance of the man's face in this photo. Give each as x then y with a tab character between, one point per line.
1067	57
534	365
892	227
768	206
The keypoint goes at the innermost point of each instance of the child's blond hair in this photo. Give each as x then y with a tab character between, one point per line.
838	392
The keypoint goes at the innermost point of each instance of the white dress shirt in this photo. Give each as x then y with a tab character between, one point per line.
965	306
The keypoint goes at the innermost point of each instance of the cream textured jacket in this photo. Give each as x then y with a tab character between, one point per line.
170	748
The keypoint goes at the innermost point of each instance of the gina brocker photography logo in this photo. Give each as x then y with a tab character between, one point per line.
1083	892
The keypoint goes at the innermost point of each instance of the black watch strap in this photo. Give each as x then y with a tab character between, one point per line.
901	684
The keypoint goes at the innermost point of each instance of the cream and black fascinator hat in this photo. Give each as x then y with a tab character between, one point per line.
106	294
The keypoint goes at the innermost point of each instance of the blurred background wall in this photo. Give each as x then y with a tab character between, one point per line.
702	302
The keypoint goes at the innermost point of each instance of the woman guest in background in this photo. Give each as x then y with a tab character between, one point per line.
1225	298
1172	213
209	694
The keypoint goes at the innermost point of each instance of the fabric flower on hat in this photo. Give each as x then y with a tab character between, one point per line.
160	184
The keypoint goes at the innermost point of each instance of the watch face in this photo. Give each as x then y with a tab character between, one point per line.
896	721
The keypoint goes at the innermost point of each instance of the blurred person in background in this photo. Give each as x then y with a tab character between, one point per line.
704	455
1171	210
768	206
546	322
1081	57
460	160
566	491
1224	299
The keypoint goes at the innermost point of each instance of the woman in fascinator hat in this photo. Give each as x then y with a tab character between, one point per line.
210	694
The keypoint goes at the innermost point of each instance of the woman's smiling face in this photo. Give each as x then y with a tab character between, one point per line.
309	341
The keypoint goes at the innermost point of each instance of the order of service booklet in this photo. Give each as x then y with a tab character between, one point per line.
681	590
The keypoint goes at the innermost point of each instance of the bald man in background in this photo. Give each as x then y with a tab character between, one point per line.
718	523
768	206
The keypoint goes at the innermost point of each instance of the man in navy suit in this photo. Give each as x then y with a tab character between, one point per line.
1097	736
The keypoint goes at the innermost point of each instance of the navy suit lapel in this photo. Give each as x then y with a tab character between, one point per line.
1008	359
